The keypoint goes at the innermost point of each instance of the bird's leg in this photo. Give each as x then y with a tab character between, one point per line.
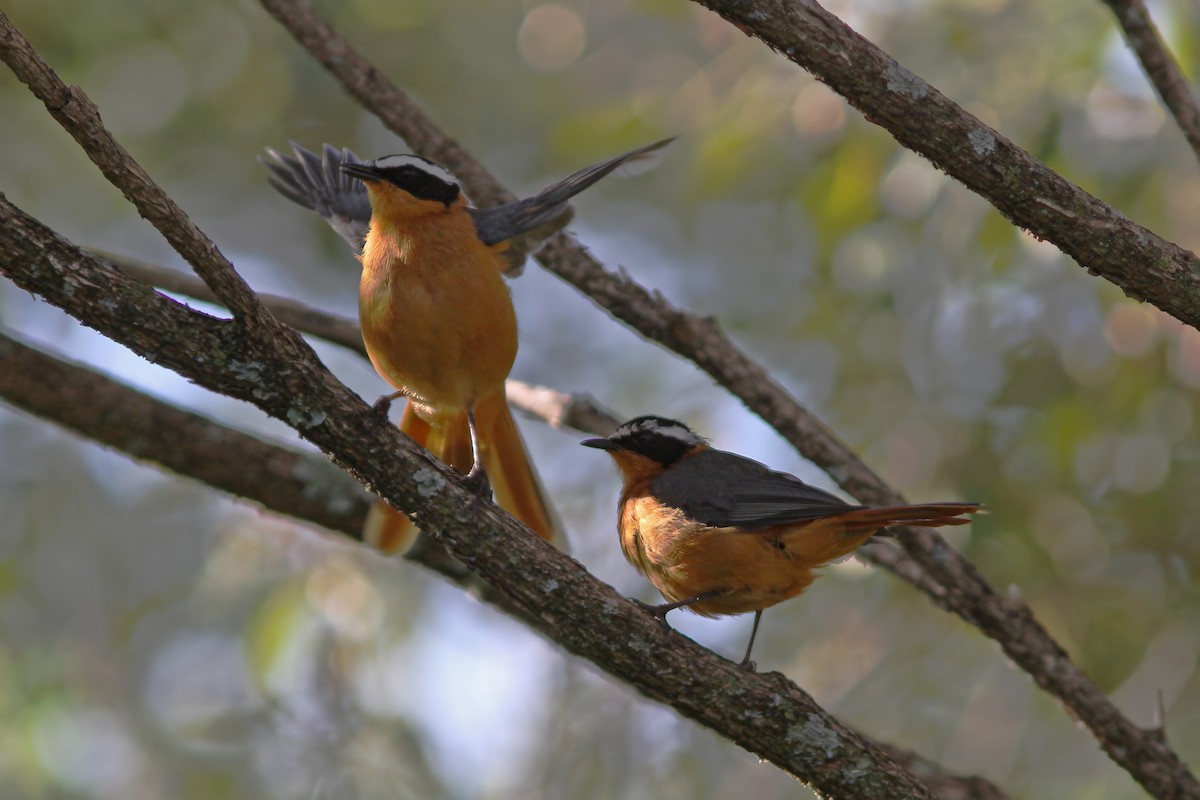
661	610
477	478
384	402
746	662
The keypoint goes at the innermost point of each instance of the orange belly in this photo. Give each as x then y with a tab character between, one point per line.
743	571
437	319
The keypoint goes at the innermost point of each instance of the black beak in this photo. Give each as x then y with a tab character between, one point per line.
364	172
601	444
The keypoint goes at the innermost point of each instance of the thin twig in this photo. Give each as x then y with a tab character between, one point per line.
1160	66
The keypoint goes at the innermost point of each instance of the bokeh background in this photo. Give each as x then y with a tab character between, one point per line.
160	640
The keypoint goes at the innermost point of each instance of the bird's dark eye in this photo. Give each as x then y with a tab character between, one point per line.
664	450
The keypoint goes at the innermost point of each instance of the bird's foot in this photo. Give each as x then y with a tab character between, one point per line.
658	611
477	481
384	403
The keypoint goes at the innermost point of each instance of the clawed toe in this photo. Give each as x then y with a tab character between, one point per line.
477	482
657	611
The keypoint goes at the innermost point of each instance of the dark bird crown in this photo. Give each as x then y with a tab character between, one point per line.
420	177
657	438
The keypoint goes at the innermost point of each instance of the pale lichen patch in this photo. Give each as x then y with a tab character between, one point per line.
982	142
901	80
816	733
428	482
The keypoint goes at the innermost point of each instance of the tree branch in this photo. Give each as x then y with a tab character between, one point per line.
1102	240
1160	66
267	365
557	409
925	121
764	713
303	486
1033	196
79	116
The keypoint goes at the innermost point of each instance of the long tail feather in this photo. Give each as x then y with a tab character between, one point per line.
931	515
515	484
830	538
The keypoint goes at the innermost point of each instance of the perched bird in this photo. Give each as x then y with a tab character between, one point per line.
436	316
720	534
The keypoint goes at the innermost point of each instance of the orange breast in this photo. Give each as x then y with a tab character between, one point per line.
746	571
436	316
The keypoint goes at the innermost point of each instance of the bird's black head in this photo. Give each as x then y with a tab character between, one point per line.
657	438
418	176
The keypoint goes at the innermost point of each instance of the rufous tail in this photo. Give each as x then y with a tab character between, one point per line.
514	483
930	515
829	538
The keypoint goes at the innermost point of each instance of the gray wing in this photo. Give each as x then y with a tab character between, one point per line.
318	184
501	223
724	489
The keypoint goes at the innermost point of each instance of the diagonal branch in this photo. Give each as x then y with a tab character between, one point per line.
1033	196
924	120
764	713
79	116
557	409
301	485
1160	66
1102	240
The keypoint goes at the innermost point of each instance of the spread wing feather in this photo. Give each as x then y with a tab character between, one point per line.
317	183
502	223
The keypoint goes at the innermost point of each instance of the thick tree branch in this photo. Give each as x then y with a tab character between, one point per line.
555	408
924	120
764	713
1160	66
79	117
1101	239
269	366
1033	196
300	485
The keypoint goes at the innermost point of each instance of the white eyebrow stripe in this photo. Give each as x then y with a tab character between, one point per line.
423	164
677	432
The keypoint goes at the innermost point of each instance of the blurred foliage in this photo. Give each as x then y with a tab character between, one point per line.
160	641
